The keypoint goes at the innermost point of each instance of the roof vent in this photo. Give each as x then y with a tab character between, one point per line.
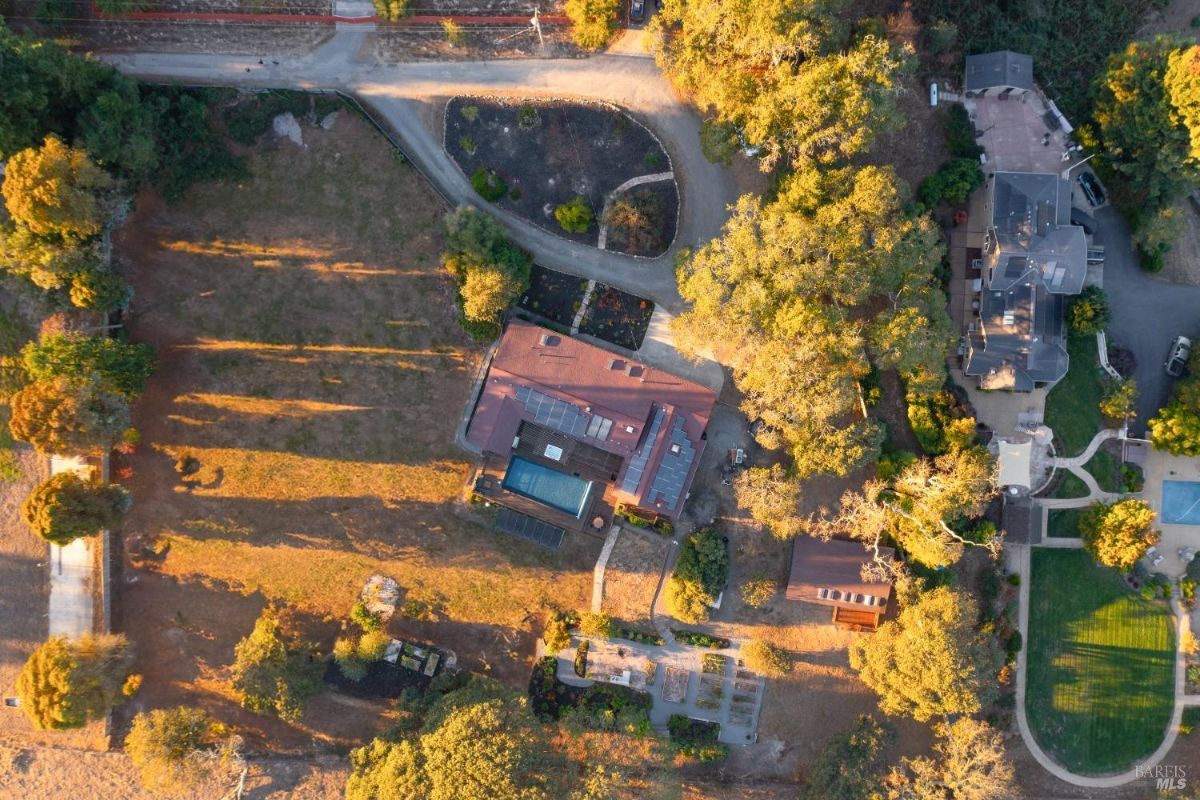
633	370
616	363
629	429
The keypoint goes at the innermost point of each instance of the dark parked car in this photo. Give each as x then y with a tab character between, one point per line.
1091	189
1177	358
637	10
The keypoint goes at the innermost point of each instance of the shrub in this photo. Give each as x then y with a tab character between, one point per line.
1089	311
467	143
453	32
99	290
1012	647
273	670
694	738
528	117
391	10
765	658
951	184
596	624
469	112
662	525
345	655
65	507
940	37
698	639
65	684
959	131
177	751
575	216
592	21
488	184
373	645
700	574
364	618
557	635
719	141
1014	579
486	291
636	221
758	590
581	654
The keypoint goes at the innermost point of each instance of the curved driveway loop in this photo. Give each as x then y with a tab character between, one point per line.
398	91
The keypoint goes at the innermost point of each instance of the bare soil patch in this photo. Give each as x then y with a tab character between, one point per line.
1175	18
549	152
632	574
1181	264
311	365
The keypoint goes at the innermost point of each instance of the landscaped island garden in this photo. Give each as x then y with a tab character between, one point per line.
558	165
1101	665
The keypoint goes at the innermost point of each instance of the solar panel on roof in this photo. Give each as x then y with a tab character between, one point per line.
637	464
676	463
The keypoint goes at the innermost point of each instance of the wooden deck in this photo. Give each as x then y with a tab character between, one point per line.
855	620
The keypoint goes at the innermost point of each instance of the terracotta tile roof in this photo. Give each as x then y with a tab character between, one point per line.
652	418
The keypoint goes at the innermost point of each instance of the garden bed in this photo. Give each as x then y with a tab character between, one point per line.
549	696
555	296
547	153
617	317
383	679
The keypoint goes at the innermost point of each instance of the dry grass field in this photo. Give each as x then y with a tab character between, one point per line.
632	575
299	433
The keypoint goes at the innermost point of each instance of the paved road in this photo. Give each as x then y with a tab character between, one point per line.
398	92
1147	313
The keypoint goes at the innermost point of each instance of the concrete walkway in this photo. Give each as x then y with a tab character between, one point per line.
400	93
1019	561
72	612
1089	451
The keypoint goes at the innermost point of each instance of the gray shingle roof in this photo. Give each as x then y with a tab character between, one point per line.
1001	69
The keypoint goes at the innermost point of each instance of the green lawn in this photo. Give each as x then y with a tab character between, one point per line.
1069	486
1063	523
1073	406
1106	470
1101	665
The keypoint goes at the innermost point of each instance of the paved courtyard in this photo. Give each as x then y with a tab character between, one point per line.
1160	467
732	698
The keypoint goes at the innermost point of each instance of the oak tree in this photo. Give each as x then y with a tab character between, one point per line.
67	683
66	416
56	191
1118	534
932	660
65	507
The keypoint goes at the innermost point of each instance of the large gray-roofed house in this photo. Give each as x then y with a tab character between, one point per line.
1003	69
1033	258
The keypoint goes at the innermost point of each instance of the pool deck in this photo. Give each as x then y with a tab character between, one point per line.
488	483
1160	467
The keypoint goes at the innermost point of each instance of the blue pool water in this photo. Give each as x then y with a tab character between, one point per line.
1181	502
556	489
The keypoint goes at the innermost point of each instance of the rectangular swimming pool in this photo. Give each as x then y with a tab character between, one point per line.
1181	502
548	486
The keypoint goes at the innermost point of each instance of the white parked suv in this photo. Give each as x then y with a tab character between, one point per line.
1177	358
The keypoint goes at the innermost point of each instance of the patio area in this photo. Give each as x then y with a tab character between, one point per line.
1161	468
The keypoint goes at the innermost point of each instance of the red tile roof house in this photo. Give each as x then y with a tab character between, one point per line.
569	429
829	573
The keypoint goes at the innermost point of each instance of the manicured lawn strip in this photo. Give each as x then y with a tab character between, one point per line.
1101	665
1063	523
1073	406
1106	470
1069	486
